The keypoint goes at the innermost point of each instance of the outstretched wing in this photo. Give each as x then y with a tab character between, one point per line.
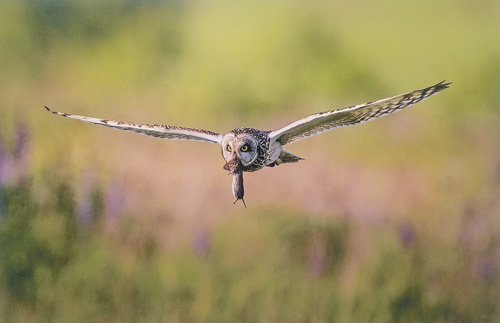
155	130
324	121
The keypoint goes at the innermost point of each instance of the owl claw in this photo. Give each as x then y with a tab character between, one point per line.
233	166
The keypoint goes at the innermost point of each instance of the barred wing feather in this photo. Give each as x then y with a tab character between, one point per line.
154	130
324	121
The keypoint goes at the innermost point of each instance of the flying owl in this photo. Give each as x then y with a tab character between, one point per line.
249	149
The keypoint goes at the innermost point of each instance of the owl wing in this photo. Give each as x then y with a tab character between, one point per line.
324	121
155	130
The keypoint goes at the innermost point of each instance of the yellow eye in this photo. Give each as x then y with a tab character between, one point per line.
228	148
244	148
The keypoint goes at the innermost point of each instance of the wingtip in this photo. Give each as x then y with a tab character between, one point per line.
46	107
444	85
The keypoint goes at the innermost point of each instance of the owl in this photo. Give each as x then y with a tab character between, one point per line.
249	149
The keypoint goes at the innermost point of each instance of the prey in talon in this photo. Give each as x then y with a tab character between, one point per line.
237	187
250	149
235	168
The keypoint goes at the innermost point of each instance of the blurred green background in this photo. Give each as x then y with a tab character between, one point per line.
393	220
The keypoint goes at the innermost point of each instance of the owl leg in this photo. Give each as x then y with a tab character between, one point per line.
285	157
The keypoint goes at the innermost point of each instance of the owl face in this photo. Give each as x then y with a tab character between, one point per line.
238	149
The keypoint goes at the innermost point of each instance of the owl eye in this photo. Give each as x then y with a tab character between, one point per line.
244	148
228	148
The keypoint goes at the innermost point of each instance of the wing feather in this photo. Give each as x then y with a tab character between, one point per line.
324	121
154	130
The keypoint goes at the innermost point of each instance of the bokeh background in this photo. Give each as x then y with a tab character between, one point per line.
394	220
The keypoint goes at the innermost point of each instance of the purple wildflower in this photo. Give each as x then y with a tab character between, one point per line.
85	212
316	257
114	201
21	142
407	234
201	242
3	163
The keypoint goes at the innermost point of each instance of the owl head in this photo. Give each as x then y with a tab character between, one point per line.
239	150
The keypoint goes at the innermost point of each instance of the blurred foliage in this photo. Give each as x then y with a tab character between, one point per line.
69	251
61	260
241	59
273	265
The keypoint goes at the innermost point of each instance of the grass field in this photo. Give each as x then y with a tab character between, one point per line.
394	220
